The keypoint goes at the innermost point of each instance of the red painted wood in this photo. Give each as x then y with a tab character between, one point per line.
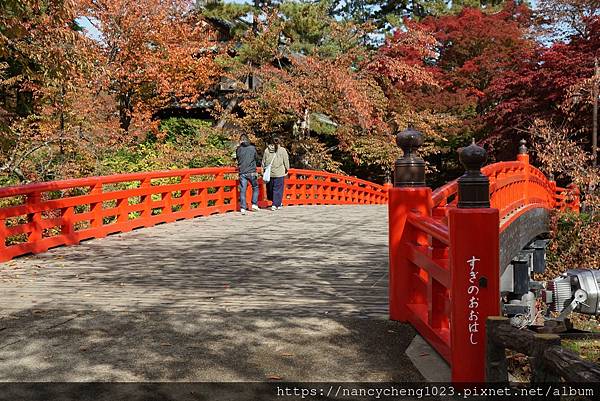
436	268
512	185
402	202
438	338
431	241
431	226
474	256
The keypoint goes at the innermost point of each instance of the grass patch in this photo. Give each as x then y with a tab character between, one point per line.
587	349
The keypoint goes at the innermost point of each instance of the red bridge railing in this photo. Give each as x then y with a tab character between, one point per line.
309	187
36	217
515	187
444	250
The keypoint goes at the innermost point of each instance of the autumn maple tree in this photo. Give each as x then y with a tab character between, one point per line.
100	86
333	84
560	19
151	51
447	97
44	71
550	86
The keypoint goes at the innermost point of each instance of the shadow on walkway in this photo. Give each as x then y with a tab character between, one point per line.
297	296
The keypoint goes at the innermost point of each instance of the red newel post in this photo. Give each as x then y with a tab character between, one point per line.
408	194
474	257
3	256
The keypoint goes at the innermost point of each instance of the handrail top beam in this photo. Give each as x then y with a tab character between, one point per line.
26	189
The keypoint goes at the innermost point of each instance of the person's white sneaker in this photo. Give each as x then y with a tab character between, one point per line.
243	211
255	208
273	208
279	207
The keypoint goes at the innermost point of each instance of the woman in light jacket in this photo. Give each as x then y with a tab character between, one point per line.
277	155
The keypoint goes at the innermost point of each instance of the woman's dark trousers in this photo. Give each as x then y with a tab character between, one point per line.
275	190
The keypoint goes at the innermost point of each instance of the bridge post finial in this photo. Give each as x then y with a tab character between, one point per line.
523	156
409	170
473	186
388	177
387	181
523	147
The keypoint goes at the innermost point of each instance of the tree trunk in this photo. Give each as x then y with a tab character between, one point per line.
230	106
570	366
62	120
125	110
595	113
495	366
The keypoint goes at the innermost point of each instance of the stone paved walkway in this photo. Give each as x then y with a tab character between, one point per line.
298	294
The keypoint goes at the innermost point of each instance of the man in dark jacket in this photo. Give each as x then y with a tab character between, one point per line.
247	157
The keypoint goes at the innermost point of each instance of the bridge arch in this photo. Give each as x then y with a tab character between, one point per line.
528	226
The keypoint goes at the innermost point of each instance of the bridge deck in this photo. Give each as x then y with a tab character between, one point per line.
299	293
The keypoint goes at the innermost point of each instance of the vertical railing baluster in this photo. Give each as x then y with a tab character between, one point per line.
220	190
67	229
185	192
313	189
34	217
122	205
204	195
3	234
97	208
146	201
321	196
167	210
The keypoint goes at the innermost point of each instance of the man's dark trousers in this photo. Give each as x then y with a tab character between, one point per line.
253	179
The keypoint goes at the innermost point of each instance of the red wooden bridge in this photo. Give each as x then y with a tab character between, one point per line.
447	247
46	215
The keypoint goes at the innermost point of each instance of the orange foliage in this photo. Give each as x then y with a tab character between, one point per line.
46	93
152	54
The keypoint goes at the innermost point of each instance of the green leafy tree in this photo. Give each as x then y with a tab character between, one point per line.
316	72
391	13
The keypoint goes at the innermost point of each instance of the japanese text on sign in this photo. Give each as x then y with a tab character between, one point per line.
473	303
